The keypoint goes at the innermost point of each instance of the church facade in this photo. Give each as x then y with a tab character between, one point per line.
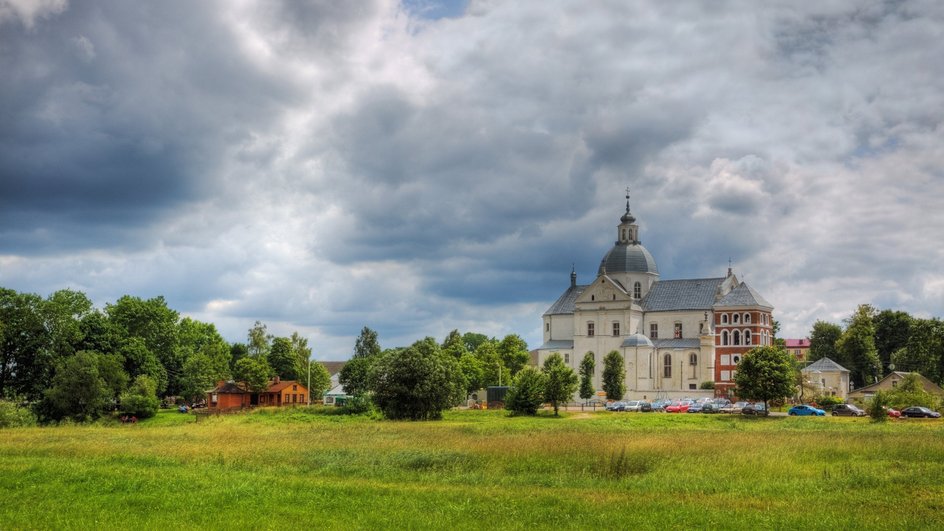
673	335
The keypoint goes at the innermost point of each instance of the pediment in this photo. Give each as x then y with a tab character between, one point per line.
604	289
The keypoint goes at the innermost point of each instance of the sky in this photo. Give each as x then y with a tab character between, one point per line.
425	166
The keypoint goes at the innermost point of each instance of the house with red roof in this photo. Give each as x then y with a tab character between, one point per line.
800	348
229	395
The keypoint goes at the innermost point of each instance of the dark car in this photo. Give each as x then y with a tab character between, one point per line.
757	408
847	410
920	412
695	408
710	407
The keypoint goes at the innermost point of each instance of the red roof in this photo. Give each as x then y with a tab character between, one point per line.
275	387
797	343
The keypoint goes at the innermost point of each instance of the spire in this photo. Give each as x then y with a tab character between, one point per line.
573	276
627	217
729	266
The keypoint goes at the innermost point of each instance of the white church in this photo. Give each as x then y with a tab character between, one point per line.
673	334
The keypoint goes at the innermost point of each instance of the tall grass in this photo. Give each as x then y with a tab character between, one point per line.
475	469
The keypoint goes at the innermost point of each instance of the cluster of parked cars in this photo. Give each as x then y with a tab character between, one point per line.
700	405
851	410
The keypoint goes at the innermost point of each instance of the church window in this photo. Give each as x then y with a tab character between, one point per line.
614	296
678	330
724	318
747	318
735	360
567	358
616	329
637	290
547	327
593	297
590	329
667	366
653	330
736	337
736	318
747	337
693	359
724	337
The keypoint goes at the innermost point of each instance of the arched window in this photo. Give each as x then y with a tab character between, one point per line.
667	366
593	297
724	337
747	337
693	359
737	318
724	318
747	318
736	337
637	290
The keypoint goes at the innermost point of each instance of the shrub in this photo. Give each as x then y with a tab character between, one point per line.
140	399
827	402
707	385
526	393
877	407
13	416
416	383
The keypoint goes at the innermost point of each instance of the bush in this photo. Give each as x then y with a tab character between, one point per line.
140	400
416	383
13	416
526	393
707	385
357	405
827	402
877	407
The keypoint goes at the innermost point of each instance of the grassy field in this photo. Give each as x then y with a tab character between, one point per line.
475	470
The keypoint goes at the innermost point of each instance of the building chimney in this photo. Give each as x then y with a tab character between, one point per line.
277	379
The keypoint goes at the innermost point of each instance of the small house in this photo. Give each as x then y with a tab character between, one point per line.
892	381
228	395
827	377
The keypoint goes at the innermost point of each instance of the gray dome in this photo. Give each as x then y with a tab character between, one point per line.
629	258
637	340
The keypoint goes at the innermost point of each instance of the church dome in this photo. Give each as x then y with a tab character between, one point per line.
629	258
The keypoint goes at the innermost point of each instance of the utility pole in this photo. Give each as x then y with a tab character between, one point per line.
309	381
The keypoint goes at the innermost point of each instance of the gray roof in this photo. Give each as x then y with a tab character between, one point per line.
824	365
672	295
557	344
629	258
566	303
743	295
636	340
678	343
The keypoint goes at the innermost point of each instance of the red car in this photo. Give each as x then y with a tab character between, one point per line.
893	413
679	407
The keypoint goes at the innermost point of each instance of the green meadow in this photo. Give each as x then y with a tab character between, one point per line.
474	470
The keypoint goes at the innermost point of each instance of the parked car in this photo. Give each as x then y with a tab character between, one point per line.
735	407
847	410
805	410
710	407
615	406
919	412
679	407
638	405
695	408
892	412
757	408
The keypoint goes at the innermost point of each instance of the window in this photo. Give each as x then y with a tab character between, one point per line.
724	318
692	386
590	329
567	358
616	329
736	337
693	359
726	359
301	397
294	388
701	328
667	366
735	359
736	318
593	297
547	327
747	337
637	290
653	331
678	330
724	337
747	318
725	376
894	384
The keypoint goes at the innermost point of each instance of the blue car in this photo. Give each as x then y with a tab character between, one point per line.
805	410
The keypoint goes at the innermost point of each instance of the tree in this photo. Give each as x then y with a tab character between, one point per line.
354	374
318	382
877	407
614	376
823	340
472	340
513	352
140	360
765	373
253	372
199	376
924	351
856	347
157	327
892	329
472	370
282	358
78	391
910	392
493	369
237	351
258	340
454	345
587	367
416	383
140	400
526	393
560	382
366	345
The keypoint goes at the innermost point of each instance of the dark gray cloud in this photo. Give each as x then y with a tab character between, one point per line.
322	166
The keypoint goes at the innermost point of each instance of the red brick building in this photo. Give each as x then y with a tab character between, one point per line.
742	321
229	395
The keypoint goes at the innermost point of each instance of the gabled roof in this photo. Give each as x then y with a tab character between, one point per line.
743	295
926	383
824	365
333	367
565	304
229	388
275	387
672	295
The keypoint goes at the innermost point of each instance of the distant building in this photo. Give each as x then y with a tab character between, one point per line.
890	382
799	348
673	334
827	378
229	395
